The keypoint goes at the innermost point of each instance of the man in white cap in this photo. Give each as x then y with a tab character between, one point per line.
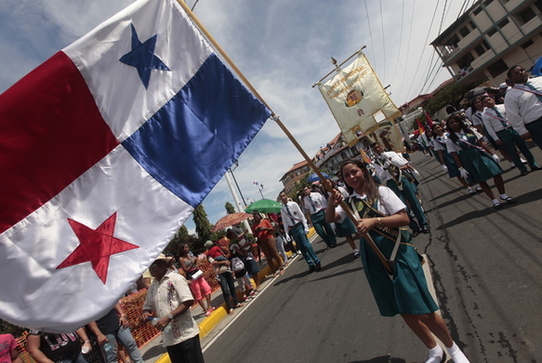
170	298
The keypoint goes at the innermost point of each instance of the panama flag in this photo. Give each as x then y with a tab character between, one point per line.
105	149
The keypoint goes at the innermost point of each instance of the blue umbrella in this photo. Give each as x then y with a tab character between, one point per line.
314	177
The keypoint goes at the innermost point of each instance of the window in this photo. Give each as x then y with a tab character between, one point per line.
503	23
464	31
527	15
481	48
538	4
453	41
497	68
491	31
477	11
527	44
487	2
465	61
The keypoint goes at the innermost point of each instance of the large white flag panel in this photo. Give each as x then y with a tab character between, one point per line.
356	99
105	148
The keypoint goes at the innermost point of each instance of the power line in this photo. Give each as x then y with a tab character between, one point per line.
423	50
370	32
383	40
428	72
193	6
409	39
400	39
463	8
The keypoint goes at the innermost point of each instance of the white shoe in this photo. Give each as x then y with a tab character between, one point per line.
436	355
523	161
457	355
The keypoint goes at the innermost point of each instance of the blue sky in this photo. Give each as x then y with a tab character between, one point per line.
283	47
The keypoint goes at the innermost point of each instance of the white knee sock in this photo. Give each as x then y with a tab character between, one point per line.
435	355
457	355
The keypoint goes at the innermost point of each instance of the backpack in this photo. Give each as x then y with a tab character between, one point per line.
237	264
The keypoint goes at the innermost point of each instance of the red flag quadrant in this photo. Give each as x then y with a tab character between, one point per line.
421	128
357	99
96	246
105	150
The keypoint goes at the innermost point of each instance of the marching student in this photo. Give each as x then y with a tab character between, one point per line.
475	161
381	215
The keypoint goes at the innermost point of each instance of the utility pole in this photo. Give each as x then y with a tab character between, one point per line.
236	199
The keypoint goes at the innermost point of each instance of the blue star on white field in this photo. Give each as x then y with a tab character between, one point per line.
142	57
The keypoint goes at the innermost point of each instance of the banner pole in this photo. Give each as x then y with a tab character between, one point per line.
276	118
338	66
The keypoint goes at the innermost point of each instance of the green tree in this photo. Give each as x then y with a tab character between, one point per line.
182	236
301	183
452	94
203	227
229	208
7	328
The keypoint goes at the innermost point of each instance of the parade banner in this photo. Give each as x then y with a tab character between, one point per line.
106	148
389	135
356	98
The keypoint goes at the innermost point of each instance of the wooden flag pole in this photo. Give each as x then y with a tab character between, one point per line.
338	66
276	118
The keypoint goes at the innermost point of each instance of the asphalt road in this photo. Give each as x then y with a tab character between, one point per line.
485	265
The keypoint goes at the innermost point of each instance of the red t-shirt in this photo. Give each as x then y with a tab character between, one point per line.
214	252
263	235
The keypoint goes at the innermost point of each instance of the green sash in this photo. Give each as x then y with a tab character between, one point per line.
367	211
395	236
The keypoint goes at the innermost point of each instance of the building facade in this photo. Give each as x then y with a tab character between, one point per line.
491	37
294	175
328	158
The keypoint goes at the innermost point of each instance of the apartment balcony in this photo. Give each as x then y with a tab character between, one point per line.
482	21
531	25
498	43
496	12
512	4
478	62
469	39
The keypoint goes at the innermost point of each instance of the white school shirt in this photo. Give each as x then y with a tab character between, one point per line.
437	146
394	158
297	215
523	107
388	203
316	203
453	147
492	124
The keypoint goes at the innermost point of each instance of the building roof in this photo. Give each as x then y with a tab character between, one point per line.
453	28
296	166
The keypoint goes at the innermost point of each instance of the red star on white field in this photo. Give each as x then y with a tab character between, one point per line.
96	246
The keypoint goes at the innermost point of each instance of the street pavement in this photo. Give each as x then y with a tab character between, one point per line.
484	264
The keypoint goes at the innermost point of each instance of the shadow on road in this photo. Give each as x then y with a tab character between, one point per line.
383	359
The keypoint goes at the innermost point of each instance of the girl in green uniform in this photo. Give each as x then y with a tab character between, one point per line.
475	161
381	215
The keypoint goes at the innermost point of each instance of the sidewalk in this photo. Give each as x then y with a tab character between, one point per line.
153	351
